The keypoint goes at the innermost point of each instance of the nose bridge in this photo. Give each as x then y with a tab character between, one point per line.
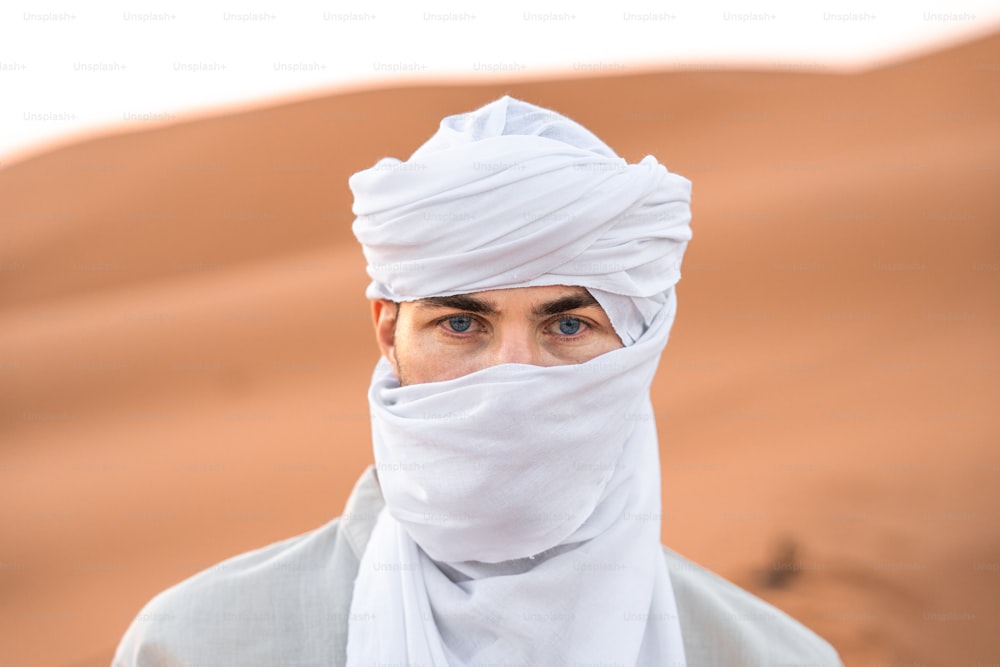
515	344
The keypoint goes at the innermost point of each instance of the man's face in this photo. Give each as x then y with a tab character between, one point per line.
441	338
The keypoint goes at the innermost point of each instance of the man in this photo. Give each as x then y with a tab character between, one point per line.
522	292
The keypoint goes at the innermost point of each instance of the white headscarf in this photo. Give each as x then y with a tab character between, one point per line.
522	503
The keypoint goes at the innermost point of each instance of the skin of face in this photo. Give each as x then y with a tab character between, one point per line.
442	338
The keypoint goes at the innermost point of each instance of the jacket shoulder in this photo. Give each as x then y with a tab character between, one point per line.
253	609
723	624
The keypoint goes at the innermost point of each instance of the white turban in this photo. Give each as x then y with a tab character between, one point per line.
513	195
522	502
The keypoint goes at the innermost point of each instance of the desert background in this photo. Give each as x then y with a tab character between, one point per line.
185	346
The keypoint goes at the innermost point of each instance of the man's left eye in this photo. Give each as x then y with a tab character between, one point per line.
569	326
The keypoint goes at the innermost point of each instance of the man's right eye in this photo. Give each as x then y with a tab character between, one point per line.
460	323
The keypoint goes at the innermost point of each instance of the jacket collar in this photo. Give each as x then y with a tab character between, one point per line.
362	510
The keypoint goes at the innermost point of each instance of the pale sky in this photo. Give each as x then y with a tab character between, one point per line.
69	70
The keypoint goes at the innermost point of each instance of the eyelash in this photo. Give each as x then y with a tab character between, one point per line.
585	325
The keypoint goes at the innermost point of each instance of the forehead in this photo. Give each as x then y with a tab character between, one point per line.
534	293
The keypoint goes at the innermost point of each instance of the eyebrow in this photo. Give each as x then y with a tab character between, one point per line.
459	302
472	304
581	299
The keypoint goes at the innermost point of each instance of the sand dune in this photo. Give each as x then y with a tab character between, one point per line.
184	346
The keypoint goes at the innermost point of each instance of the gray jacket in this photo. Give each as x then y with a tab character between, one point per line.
289	604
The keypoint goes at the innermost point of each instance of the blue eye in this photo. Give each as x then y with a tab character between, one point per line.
569	326
460	323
